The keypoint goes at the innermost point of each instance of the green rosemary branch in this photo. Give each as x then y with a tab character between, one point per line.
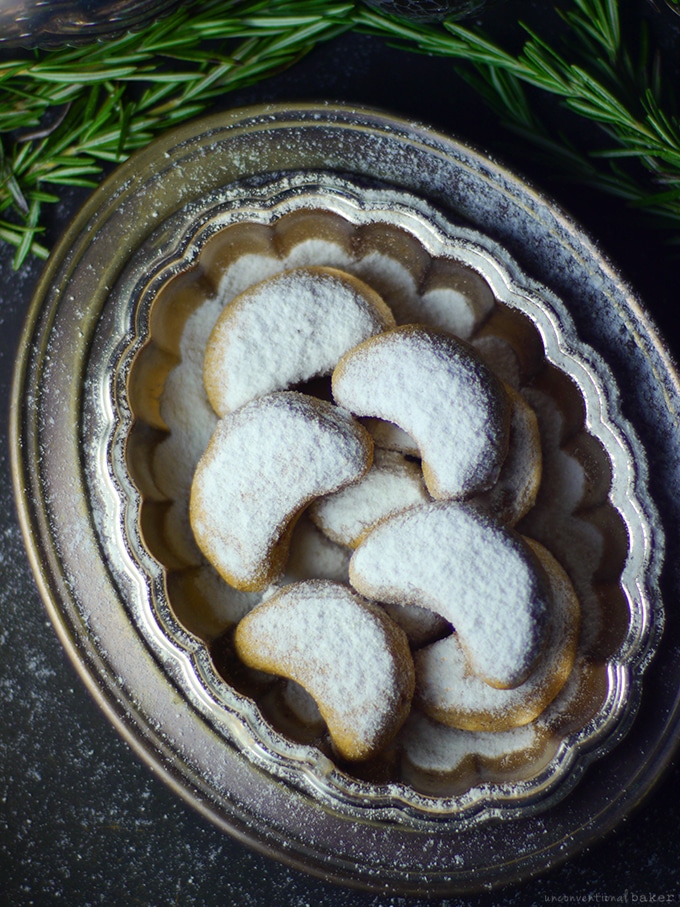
66	113
596	78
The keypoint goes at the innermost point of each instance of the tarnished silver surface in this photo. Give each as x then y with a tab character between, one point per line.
48	23
104	591
429	10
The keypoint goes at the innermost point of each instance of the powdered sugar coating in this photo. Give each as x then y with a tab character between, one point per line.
264	463
285	330
344	651
448	692
435	748
391	484
435	388
480	576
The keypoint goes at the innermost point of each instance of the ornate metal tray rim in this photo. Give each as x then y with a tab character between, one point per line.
173	250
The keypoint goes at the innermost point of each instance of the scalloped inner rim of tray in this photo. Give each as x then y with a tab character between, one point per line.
395	242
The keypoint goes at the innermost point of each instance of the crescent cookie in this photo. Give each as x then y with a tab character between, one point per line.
447	691
433	752
435	388
345	651
479	575
285	330
264	463
391	484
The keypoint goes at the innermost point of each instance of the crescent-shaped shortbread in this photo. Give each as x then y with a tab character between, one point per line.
447	691
288	329
435	388
391	484
515	492
346	652
479	575
264	463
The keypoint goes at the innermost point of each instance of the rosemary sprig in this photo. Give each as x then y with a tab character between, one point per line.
113	98
595	77
67	113
556	150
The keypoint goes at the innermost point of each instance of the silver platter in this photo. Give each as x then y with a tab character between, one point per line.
105	593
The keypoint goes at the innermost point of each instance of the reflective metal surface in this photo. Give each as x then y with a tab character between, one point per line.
431	10
114	493
47	23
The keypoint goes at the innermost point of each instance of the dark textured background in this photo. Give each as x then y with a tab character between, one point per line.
82	821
